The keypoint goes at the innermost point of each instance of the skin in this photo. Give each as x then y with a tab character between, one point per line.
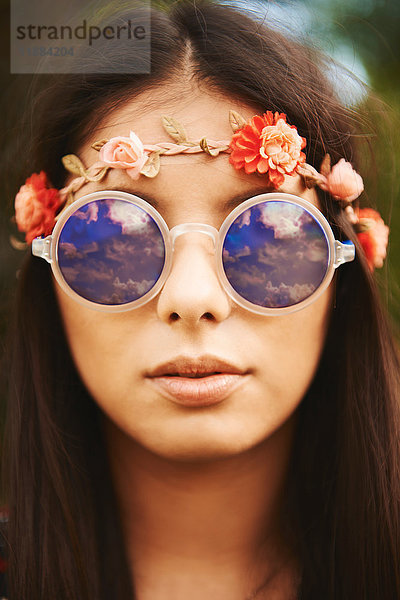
199	489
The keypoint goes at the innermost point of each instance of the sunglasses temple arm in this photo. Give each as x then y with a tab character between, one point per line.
41	247
344	252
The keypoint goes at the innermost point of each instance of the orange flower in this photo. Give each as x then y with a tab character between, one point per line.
373	236
267	144
36	205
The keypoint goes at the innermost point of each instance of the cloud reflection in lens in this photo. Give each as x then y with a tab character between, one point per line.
275	254
111	251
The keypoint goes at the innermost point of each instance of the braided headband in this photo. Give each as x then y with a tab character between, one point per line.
265	144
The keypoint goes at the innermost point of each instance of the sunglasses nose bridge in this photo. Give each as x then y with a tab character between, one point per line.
179	230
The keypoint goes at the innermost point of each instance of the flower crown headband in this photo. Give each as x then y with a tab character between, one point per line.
265	144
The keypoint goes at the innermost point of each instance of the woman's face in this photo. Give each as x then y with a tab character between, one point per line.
137	364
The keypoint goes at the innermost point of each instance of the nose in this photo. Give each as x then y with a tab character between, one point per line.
192	292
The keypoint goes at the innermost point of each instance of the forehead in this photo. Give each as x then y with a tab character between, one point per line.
185	181
202	112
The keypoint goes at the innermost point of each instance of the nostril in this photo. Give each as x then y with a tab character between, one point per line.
208	316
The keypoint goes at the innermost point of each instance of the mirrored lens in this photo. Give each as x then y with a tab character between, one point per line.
275	254
111	251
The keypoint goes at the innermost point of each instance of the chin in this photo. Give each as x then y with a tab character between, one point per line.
201	446
202	435
191	453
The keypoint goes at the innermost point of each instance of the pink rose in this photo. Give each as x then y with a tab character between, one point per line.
36	205
343	182
125	153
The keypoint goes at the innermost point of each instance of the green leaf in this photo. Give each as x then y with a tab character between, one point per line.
99	176
204	146
73	164
152	165
174	129
98	145
236	120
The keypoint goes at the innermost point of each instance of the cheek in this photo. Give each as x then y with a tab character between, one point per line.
294	347
100	344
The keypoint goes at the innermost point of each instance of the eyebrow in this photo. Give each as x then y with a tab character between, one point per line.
227	206
232	203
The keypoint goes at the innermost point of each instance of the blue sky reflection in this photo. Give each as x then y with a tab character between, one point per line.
111	252
275	254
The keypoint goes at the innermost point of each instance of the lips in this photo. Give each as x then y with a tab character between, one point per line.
200	381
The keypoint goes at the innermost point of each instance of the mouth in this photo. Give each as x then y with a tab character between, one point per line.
193	375
197	382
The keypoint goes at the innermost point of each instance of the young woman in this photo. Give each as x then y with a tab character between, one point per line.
203	399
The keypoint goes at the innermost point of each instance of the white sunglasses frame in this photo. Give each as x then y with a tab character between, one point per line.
339	252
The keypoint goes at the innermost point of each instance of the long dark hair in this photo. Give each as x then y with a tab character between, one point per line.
343	494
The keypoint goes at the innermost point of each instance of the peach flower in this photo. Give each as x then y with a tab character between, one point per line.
373	236
267	144
125	153
343	182
36	205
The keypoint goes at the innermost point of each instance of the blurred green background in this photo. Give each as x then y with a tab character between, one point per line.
364	35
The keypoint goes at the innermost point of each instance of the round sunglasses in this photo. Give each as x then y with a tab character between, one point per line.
274	253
